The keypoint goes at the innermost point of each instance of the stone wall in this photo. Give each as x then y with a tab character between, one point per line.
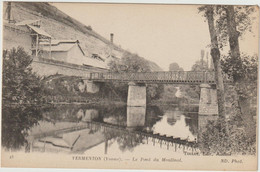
46	67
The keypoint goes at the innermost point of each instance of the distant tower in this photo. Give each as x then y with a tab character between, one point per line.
111	44
112	38
202	52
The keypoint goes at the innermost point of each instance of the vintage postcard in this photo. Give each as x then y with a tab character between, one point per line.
129	86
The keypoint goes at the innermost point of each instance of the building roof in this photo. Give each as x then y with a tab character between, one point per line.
57	41
61	45
95	63
39	31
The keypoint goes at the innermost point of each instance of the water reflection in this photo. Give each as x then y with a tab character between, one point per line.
16	122
173	123
135	116
87	115
81	128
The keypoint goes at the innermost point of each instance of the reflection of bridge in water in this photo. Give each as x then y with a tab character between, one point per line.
145	137
90	127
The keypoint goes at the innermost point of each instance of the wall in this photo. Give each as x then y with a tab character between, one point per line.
75	55
58	55
14	36
46	67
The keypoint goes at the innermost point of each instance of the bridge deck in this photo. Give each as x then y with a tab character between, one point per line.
176	77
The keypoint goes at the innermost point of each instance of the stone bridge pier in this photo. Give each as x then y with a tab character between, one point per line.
136	94
208	100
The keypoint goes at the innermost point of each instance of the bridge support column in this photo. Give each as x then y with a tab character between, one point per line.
208	100
136	95
91	87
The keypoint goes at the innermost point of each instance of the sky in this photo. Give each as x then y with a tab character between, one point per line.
161	33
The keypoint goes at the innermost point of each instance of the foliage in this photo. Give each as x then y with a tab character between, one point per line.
23	88
175	67
61	85
240	69
243	21
154	91
192	92
129	63
20	84
199	66
244	72
215	140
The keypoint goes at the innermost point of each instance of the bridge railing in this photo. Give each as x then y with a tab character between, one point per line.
174	76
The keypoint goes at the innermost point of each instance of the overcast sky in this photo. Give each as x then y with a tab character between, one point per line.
160	33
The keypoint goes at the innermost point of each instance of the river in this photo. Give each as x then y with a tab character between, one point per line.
105	130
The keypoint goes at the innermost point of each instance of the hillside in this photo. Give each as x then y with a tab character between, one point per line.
61	26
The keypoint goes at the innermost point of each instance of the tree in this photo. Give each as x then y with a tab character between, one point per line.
199	66
20	84
22	88
215	54
233	22
175	67
233	34
129	63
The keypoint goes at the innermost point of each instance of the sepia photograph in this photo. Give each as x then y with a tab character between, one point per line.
129	86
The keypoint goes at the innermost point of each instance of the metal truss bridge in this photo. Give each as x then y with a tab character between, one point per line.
174	77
